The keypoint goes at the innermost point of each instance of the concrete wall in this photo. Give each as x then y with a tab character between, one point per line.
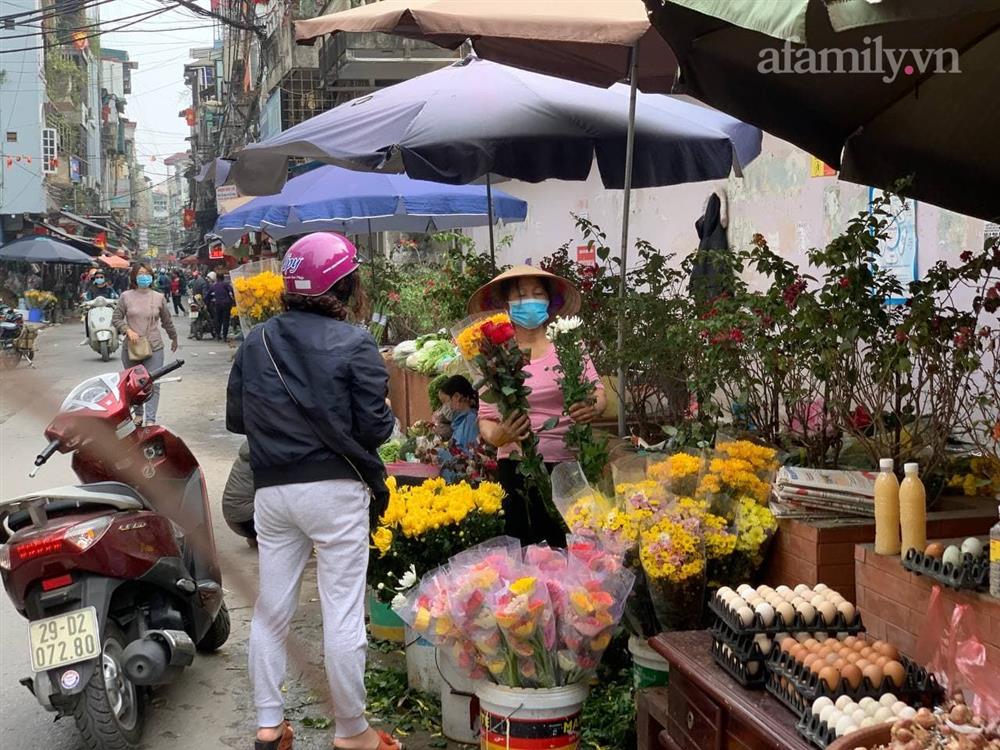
776	197
22	93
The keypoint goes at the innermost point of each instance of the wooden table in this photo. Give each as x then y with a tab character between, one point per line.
707	710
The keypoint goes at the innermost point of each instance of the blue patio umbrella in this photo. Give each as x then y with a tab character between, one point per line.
332	198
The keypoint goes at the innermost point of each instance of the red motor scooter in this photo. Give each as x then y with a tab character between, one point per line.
119	575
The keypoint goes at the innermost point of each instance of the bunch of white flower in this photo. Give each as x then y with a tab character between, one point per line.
561	326
407	582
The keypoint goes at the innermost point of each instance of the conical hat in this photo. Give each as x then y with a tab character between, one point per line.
565	298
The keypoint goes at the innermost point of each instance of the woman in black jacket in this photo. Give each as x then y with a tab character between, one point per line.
308	389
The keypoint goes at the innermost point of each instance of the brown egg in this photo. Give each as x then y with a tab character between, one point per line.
868	652
874	675
832	658
862	664
830	676
935	550
840	664
890	652
860	645
852	656
810	643
818	666
798	653
823	651
788	643
849	641
877	646
852	675
809	660
881	661
895	672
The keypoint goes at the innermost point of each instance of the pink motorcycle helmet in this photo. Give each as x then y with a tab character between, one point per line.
316	262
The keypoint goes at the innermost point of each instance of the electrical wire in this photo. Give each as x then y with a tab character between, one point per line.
88	36
75	29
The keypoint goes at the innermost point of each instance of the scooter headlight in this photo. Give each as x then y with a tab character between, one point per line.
5	556
85	535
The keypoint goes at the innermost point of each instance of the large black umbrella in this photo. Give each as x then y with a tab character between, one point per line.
41	249
879	91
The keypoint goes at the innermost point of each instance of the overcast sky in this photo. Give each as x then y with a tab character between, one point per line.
160	46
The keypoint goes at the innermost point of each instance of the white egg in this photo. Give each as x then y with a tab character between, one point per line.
725	591
820	703
807	612
817	599
868	721
737	602
843	702
847	610
952	555
858	715
753	600
898	707
762	590
763	643
887	700
827	712
907	713
744	590
883	714
972	546
827	611
753	667
820	635
867	701
745	615
766	613
845	725
820	588
782	636
783	590
802	589
803	637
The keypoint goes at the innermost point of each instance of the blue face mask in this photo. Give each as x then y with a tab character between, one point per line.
144	280
99	280
529	313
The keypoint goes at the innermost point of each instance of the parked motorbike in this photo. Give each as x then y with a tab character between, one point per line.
101	335
16	341
118	576
201	317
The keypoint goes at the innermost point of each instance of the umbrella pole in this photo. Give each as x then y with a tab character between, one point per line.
371	257
626	202
489	215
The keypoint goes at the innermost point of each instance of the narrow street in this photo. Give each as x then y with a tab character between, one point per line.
208	706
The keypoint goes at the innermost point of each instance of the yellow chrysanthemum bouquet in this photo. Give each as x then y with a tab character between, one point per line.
426	524
258	288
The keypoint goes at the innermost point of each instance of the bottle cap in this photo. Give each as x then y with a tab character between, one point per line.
911	468
885	464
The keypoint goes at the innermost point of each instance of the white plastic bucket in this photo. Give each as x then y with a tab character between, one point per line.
421	664
649	669
524	719
459	705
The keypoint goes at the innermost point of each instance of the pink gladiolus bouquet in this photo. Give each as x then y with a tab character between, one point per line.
536	617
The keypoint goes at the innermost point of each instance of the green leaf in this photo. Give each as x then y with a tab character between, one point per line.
316	722
508	390
549	424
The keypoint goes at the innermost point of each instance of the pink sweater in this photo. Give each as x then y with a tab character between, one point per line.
545	401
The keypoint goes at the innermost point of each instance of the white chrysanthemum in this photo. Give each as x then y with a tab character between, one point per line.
409	579
398	602
561	326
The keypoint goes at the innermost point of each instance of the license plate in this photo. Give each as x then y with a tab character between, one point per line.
64	639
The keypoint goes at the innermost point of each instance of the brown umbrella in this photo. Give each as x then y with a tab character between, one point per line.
592	41
583	40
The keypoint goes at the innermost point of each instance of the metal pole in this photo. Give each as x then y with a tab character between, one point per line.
371	258
489	215
626	202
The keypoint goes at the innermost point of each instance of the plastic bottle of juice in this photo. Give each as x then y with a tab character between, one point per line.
887	540
912	509
995	560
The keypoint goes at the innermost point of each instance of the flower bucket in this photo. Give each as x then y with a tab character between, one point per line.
383	623
526	718
422	672
649	669
459	705
35	315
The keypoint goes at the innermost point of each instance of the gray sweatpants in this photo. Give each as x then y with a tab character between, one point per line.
155	362
291	520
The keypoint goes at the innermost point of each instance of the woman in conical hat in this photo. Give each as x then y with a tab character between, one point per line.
533	298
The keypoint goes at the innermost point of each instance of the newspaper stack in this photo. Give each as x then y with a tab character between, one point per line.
802	492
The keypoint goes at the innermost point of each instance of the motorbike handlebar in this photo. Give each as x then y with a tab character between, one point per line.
46	454
166	369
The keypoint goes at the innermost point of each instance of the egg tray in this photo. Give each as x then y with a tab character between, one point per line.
817	732
919	686
788	696
972	574
744	644
739	668
757	627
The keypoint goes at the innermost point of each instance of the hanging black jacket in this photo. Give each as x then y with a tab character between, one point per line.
335	372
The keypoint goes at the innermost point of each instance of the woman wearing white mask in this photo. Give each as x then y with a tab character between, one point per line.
533	298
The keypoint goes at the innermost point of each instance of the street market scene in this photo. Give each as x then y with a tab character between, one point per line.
579	375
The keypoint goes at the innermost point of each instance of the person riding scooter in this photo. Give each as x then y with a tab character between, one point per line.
102	336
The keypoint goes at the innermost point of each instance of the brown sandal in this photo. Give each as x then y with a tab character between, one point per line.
284	742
